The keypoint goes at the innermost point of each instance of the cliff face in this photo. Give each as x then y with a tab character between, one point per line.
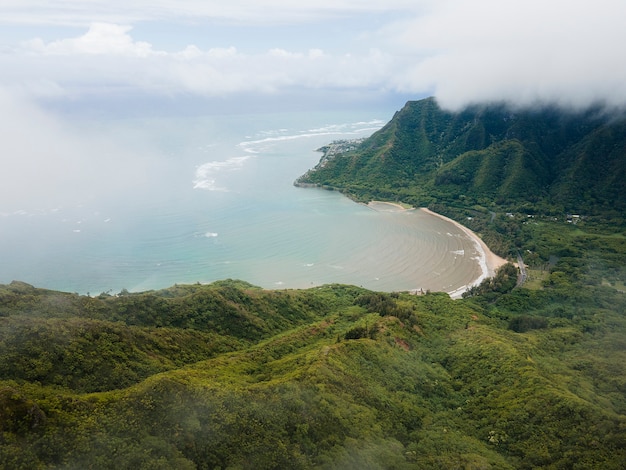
574	160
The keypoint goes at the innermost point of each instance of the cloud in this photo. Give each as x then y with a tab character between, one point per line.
524	52
107	58
100	39
81	13
47	163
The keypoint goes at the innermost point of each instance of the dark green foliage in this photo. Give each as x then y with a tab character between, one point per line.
523	323
64	339
94	355
19	415
374	381
504	281
356	333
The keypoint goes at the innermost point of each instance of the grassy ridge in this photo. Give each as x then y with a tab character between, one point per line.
374	381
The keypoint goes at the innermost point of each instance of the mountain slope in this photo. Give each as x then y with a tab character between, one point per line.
594	169
374	381
92	344
487	153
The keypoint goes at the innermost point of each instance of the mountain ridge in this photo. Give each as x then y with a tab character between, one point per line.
426	154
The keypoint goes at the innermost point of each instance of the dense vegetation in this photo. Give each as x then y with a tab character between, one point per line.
489	155
337	377
331	377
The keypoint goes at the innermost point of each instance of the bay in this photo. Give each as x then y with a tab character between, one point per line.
213	198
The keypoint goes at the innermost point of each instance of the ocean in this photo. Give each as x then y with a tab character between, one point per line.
211	198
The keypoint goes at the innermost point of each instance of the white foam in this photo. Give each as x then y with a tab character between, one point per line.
253	143
205	177
210	234
482	262
458	293
331	129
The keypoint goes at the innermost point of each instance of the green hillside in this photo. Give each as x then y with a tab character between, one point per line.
230	376
488	155
332	377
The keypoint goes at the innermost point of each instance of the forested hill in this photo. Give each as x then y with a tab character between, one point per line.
336	377
544	159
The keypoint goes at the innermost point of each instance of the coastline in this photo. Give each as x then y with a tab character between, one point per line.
388	206
489	261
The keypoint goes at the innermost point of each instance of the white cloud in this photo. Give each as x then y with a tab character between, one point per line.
100	39
47	163
521	51
524	52
107	57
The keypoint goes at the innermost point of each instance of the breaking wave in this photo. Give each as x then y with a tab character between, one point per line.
206	174
263	139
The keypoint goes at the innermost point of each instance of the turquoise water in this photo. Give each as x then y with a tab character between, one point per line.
215	200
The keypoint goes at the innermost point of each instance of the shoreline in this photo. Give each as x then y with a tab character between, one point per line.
489	261
394	206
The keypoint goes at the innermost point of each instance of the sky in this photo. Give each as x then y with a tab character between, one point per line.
462	52
143	57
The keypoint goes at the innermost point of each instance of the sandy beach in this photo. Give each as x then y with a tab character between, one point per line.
489	261
388	206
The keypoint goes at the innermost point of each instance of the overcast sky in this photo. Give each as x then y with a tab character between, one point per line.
523	51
